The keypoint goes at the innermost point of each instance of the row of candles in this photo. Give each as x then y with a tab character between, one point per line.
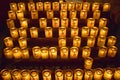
56	6
59	74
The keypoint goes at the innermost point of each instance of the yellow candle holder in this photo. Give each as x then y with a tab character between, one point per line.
101	41
63	6
43	22
59	74
112	51
95	6
106	7
62	32
55	6
96	14
24	23
17	53
86	51
31	6
78	74
103	31
86	6
5	74
74	52
64	52
85	31
34	75
20	14
63	14
50	14
76	41
71	6
111	41
88	62
34	14
25	75
21	6
102	52
83	14
48	32
14	32
55	22
22	32
10	23
64	22
108	74
73	14
36	51
11	15
16	75
94	31
68	75
53	52
88	74
44	53
74	32
47	6
34	32
117	73
8	53
47	74
39	6
78	6
22	42
98	74
25	53
62	42
8	41
90	22
91	41
102	22
13	6
74	23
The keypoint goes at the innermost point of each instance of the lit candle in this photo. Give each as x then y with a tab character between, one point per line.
63	6
13	6
73	14
25	53
90	22
64	22
103	31
21	6
88	74
8	53
17	53
63	14
53	52
24	22
43	22
95	6
46	74
22	32
55	6
34	32
48	32
71	6
62	42
20	14
64	53
60	1
117	73
39	6
47	6
96	14
86	51
44	53
14	32
98	74
78	6
58	74
78	74
88	62
31	6
101	41
106	7
74	52
102	52
62	32
55	22
94	31
85	31
108	73
50	14
22	42
111	41
91	41
5	74
83	14
25	75
34	75
34	14
11	15
74	32
103	22
86	6
112	51
74	23
77	41
8	41
36	52
10	23
16	75
68	75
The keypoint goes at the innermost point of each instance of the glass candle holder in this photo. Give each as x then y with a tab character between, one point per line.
90	22
69	75
91	41
53	52
71	6
13	6
62	42
85	31
64	52
101	41
8	41
98	74
50	14
47	74
34	32
106	7
117	73
8	53
10	23
111	41
63	14
112	51
24	23
62	32
88	63
17	53
102	52
34	75
63	6
74	23
55	6
94	31
14	32
76	41
78	6
74	32
47	6
48	32
86	51
36	51
20	14
96	14
64	22
11	15
102	22
59	74
21	6
86	6
83	14
25	53
43	22
39	6
95	6
34	14
5	74
74	52
78	74
22	32
55	22
31	6
108	73
73	14
103	31
25	75
16	75
44	53
22	42
88	74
